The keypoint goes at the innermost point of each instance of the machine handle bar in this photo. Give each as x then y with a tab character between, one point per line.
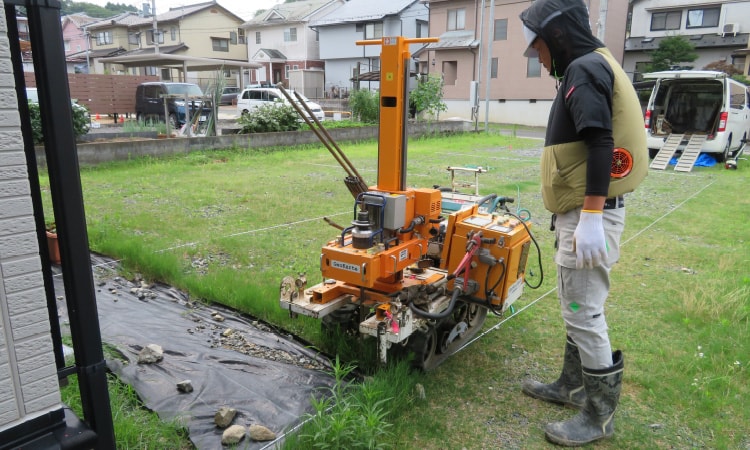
426	40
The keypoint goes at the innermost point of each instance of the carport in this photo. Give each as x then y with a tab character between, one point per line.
183	62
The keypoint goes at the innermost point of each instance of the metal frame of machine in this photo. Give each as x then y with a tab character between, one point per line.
406	271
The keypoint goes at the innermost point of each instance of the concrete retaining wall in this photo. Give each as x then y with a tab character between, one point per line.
100	152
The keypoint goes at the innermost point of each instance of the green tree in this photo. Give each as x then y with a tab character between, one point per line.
672	51
427	97
365	105
733	72
92	10
723	66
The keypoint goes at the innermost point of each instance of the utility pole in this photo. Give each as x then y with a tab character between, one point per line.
490	38
475	100
87	36
601	31
156	29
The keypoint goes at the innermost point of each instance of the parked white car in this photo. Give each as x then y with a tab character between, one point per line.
698	102
252	98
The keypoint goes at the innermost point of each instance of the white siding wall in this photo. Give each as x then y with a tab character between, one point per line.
28	379
312	46
731	12
338	42
341	53
519	112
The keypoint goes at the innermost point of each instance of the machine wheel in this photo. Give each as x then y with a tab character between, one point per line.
424	346
476	315
343	320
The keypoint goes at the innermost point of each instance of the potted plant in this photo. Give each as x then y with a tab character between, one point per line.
52	244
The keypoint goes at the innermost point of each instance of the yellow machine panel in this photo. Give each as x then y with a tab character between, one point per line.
507	243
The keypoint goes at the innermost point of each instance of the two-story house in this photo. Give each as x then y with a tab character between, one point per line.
481	42
75	40
289	51
106	37
718	29
338	31
203	30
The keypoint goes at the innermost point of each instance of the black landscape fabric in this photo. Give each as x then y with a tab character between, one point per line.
266	376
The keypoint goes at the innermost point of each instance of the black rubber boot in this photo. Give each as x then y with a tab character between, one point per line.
596	419
568	389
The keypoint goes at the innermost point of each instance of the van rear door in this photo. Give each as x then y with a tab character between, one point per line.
738	122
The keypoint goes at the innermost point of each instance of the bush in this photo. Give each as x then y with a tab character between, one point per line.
270	118
427	97
365	105
81	121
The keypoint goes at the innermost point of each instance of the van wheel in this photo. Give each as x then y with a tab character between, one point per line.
652	152
245	112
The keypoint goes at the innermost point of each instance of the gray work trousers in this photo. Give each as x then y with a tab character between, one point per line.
583	292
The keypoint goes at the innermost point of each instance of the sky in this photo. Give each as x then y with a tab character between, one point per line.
242	8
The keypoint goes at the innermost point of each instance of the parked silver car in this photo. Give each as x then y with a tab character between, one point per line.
229	95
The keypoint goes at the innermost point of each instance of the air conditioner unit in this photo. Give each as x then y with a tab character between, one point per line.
730	28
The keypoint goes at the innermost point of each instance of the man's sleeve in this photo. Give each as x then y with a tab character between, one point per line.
600	146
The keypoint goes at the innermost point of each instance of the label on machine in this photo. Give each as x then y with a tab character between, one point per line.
345	266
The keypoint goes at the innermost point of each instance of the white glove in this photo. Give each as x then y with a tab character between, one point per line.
588	240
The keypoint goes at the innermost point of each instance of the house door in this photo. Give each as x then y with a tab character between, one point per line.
276	76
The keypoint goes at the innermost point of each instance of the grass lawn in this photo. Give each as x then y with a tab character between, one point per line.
228	225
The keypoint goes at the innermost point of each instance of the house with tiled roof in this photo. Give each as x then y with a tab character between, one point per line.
338	31
280	39
718	31
203	30
74	33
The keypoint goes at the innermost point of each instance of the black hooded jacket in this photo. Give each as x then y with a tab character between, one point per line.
582	110
564	27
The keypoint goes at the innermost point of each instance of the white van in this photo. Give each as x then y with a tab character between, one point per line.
698	102
254	97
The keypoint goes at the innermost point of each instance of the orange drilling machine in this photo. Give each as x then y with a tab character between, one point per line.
406	272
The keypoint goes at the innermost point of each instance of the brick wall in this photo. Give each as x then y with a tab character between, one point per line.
28	378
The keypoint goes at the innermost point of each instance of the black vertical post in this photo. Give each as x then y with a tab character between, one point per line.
67	199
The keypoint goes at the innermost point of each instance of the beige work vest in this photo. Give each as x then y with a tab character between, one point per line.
563	166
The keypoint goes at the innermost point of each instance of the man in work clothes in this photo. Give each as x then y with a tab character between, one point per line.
595	119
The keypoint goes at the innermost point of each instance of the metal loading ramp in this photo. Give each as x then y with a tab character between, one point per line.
661	160
691	153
